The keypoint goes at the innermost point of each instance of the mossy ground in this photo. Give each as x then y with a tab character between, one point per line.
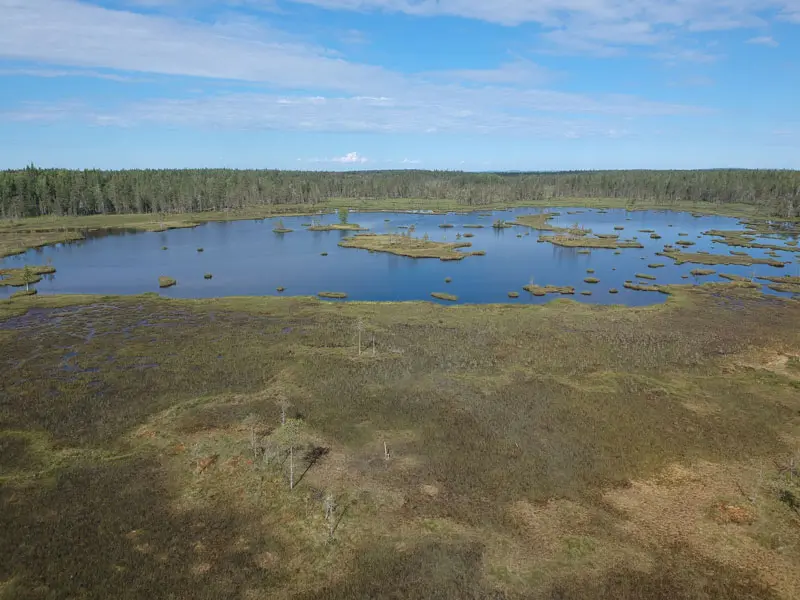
556	451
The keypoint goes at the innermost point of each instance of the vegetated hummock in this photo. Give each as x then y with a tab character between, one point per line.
339	295
655	265
703	258
513	294
472	226
589	242
746	239
591	280
337	227
732	277
165	282
15	276
208	276
646	276
541	290
702	272
643	287
407	246
685	243
556	451
23	293
443	296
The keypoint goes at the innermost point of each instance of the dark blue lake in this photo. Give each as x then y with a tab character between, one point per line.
248	258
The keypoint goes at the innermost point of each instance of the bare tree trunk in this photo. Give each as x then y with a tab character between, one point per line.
291	467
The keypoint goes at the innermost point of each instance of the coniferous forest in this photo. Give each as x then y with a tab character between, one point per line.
36	192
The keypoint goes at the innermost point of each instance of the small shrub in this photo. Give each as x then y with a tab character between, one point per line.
207	276
199	249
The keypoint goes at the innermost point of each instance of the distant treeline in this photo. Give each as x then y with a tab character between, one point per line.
33	191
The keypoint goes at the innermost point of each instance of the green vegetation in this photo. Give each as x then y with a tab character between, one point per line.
619	227
23	293
613	291
513	294
343	214
655	236
448	279
790	279
478	253
323	254
685	243
338	295
646	276
208	276
702	272
165	282
624	437
280	289
19	276
446	226
199	249
586	293
538	290
647	231
590	271
406	246
655	265
746	239
469	235
443	296
703	258
591	280
163	247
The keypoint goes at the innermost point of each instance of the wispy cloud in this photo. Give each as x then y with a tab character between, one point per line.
764	40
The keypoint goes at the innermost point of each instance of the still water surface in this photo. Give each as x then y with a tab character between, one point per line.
248	258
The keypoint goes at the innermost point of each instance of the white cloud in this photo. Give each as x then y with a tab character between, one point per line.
350	158
763	40
411	161
333	94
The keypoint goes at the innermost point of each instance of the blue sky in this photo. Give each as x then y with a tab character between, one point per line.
389	84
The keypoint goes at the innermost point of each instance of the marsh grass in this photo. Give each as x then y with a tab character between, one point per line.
443	296
333	227
165	282
655	265
642	287
535	450
513	294
646	276
684	243
586	293
539	290
655	236
591	280
702	272
339	295
613	291
407	246
23	293
704	258
15	276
